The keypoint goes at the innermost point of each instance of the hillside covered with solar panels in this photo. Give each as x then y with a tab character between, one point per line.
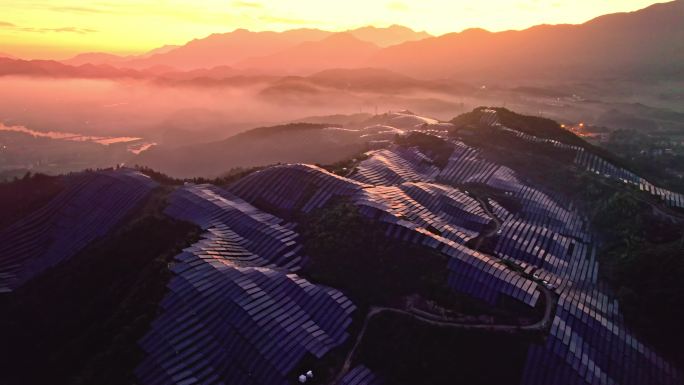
494	248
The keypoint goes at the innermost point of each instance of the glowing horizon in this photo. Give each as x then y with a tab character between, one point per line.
59	29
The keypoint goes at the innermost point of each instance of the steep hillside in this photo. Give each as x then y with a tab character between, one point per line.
497	236
83	319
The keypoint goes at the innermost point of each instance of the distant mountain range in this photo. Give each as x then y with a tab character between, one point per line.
227	49
644	44
51	68
7	56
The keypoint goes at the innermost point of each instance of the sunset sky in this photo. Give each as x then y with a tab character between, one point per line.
62	28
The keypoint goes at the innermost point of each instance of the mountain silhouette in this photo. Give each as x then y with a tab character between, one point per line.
644	43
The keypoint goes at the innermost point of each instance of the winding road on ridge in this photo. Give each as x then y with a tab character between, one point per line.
424	317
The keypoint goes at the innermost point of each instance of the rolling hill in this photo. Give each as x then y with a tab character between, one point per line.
503	245
301	142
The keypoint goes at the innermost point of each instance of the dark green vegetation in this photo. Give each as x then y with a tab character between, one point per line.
659	156
642	256
436	148
533	125
542	164
289	128
79	323
23	196
226	178
345	167
350	252
405	351
537	126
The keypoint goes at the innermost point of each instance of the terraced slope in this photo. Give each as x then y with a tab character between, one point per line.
588	341
437	216
235	311
86	209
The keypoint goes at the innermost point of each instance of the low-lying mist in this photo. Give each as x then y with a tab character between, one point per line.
175	114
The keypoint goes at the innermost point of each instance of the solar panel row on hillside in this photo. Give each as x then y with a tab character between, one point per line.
589	343
360	375
591	162
602	167
89	207
542	236
443	228
235	313
293	188
395	166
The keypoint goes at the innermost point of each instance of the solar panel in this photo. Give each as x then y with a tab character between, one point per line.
91	204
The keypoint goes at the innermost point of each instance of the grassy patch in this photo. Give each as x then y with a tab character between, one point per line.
350	252
406	351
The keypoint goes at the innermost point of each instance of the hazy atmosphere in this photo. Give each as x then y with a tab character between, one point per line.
341	193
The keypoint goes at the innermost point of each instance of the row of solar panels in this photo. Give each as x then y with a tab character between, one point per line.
490	118
213	208
404	217
469	272
395	166
592	162
600	166
293	188
90	205
532	234
468	165
235	313
447	216
360	375
593	346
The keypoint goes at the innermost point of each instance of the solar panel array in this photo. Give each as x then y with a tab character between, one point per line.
293	188
360	375
270	241
394	166
441	210
91	204
235	313
602	167
592	162
423	213
588	341
490	118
